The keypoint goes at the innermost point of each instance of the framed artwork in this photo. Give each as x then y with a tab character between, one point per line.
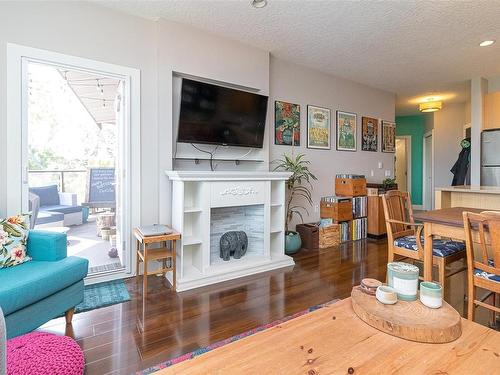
388	136
318	127
369	136
346	131
286	123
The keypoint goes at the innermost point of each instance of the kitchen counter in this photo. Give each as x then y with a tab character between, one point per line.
483	197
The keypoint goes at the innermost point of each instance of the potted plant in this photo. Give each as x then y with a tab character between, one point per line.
298	187
389	184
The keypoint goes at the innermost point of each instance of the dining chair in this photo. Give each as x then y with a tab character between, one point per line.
404	237
483	267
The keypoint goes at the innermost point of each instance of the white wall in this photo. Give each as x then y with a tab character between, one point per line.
428	122
301	85
448	132
160	48
186	50
93	32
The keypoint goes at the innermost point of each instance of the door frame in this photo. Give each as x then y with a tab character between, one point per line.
424	171
407	139
17	56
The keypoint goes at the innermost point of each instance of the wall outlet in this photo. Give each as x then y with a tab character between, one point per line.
380	165
387	173
316	208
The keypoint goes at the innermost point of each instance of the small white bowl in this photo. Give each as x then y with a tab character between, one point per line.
386	295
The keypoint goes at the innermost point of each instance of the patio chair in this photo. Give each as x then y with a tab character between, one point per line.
34	207
55	206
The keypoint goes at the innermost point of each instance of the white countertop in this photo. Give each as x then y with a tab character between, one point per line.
471	189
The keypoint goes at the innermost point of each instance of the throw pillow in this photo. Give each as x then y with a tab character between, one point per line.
13	240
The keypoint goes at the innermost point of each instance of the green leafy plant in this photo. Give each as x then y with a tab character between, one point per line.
298	185
388	182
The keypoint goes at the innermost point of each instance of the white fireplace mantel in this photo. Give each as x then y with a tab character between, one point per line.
196	193
226	176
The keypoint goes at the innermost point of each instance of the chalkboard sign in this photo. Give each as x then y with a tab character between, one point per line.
101	187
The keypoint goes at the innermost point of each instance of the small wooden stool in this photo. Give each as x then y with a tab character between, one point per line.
163	252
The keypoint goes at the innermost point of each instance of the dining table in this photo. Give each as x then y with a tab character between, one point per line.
443	222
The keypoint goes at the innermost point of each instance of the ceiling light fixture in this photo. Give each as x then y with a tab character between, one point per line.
430	106
486	43
259	3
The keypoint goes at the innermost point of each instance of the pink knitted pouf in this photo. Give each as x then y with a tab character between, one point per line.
44	354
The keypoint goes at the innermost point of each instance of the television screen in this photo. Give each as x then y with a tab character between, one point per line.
219	115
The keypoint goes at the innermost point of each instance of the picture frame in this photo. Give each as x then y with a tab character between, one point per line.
388	136
286	123
346	131
318	127
369	134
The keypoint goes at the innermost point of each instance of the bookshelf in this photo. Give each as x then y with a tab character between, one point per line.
348	208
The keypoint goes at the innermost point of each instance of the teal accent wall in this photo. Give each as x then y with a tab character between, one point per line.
415	127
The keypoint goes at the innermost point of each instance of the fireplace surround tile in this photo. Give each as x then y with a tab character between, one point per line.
249	219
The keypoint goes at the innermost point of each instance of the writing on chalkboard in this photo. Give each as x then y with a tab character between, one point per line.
101	185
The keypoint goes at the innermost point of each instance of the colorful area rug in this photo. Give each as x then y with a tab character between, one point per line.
221	343
104	294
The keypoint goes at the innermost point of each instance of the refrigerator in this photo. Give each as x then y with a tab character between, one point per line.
490	157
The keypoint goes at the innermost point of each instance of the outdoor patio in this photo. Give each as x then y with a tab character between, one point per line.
84	242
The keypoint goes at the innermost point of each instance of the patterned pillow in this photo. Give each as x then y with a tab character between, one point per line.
13	240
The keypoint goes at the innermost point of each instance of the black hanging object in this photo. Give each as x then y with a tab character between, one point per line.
461	166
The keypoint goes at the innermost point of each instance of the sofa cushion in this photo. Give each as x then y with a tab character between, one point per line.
47	217
486	275
63	209
440	247
49	195
13	240
30	282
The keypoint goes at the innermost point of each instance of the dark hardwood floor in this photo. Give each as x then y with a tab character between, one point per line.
132	336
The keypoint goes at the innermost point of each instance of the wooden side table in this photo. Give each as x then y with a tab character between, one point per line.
145	254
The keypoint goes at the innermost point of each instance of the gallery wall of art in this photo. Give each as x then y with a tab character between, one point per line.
334	115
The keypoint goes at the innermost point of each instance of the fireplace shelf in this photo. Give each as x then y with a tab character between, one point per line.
192	210
191	240
197	195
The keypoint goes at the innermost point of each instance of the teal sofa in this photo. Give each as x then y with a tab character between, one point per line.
48	286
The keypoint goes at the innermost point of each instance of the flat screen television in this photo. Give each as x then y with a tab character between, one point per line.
219	115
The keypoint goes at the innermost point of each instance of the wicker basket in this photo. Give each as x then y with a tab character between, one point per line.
329	236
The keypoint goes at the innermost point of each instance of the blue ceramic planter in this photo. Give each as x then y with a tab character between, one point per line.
292	242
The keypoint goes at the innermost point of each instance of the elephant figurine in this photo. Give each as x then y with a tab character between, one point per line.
233	243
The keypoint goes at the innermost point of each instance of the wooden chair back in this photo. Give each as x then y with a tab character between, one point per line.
482	229
397	206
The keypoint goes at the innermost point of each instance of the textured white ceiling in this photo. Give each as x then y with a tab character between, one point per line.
406	47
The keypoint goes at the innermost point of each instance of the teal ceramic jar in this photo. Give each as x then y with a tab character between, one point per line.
292	242
431	294
403	277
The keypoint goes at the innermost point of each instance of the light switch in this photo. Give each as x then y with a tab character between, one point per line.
380	165
372	173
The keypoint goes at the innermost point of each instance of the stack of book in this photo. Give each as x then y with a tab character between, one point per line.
345	231
359	207
359	228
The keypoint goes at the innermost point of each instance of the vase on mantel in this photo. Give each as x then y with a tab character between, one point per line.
293	242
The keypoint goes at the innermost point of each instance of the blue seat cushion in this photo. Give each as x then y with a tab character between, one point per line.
62	209
33	281
440	248
486	275
47	217
49	195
